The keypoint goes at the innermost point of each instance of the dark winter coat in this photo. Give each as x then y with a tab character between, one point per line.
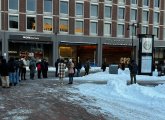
133	68
4	69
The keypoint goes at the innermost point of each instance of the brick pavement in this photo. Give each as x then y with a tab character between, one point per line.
41	100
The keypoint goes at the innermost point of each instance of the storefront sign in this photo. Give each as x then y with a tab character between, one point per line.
30	37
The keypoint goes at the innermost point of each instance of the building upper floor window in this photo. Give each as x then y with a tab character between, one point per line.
121	1
64	7
63	25
145	2
31	23
144	30
31	5
120	29
156	17
107	11
93	28
13	4
94	10
107	29
156	3
121	13
133	14
133	1
47	24
156	32
79	9
47	5
145	15
13	21
79	26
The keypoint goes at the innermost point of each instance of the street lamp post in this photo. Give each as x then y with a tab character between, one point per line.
133	29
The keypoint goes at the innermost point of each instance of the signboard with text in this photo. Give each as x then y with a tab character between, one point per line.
145	62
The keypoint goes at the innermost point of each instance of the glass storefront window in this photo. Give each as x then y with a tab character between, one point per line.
63	25
47	24
79	27
13	4
31	23
31	5
79	9
93	28
47	5
107	12
13	21
63	7
94	10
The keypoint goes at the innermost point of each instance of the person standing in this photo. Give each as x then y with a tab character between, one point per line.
39	68
133	71
103	67
87	67
78	67
23	74
61	70
70	71
11	65
4	71
56	66
32	67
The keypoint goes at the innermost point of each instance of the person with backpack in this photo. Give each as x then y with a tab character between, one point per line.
133	71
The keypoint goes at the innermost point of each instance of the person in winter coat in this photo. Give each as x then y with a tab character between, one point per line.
61	70
87	67
70	71
103	67
39	69
11	65
133	71
4	71
56	66
78	67
44	67
32	68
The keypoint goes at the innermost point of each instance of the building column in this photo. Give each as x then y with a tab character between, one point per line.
55	49
99	52
5	45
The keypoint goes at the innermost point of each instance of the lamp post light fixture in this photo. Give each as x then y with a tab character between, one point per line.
133	31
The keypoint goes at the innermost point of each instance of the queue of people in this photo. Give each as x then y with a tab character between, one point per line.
14	70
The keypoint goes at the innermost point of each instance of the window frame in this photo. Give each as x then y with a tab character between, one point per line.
76	9
123	32
66	19
15	29
121	7
91	16
80	20
35	23
94	21
110	28
13	10
63	14
109	13
48	17
44	8
30	11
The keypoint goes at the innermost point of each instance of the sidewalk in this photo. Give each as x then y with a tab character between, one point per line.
41	99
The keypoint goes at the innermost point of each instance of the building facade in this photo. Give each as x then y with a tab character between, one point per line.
95	30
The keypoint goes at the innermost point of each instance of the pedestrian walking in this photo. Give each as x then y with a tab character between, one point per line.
61	70
11	65
133	71
71	71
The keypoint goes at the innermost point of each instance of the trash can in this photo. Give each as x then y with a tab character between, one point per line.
113	69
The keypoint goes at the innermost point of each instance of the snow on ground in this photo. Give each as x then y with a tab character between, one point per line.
125	102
